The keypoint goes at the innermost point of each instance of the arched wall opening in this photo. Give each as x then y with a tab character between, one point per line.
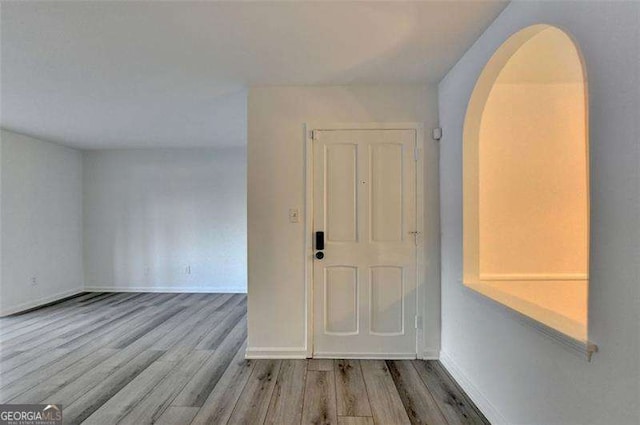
526	202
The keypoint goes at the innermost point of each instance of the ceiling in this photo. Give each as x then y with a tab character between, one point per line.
96	74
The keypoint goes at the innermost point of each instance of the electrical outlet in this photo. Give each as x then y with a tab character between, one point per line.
34	280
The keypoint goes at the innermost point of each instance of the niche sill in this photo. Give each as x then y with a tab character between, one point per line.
563	330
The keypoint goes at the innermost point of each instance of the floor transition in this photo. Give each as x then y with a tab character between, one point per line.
172	359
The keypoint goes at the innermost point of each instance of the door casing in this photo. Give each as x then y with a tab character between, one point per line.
308	242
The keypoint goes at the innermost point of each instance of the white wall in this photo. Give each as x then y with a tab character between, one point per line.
276	162
41	222
151	213
511	369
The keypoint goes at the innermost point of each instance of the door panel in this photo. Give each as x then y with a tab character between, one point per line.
365	202
341	188
341	300
386	193
387	300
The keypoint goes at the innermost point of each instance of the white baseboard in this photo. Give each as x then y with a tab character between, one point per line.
430	354
365	356
481	401
39	302
275	353
169	289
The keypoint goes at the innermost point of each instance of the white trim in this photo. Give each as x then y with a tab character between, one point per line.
533	276
365	356
168	289
309	128
275	353
39	302
430	354
328	126
308	241
584	349
421	264
481	401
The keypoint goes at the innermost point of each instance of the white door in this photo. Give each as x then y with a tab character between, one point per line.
365	203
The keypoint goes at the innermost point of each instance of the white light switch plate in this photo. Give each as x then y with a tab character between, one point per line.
294	215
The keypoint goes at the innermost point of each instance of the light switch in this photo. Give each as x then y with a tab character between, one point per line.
294	215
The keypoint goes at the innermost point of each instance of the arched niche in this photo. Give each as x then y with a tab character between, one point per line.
525	173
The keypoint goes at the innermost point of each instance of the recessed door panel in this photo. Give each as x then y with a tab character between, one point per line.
341	189
341	302
387	300
386	171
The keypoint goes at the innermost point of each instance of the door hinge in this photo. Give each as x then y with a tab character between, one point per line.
416	153
315	135
418	322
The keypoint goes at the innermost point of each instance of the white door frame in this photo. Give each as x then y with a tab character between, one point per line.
308	217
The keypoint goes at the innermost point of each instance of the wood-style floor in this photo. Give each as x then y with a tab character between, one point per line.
172	359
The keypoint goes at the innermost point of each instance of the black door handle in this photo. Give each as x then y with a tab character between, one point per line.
319	241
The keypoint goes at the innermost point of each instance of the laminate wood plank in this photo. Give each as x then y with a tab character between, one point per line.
128	298
90	401
201	328
191	337
151	299
421	408
59	328
197	313
122	357
38	362
351	391
101	297
204	381
253	403
355	420
42	349
71	392
325	365
46	360
320	399
27	323
212	339
232	302
37	386
386	405
171	327
454	404
53	355
98	338
8	354
128	318
139	332
218	407
132	394
149	409
134	358
186	297
162	299
18	320
287	400
178	415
